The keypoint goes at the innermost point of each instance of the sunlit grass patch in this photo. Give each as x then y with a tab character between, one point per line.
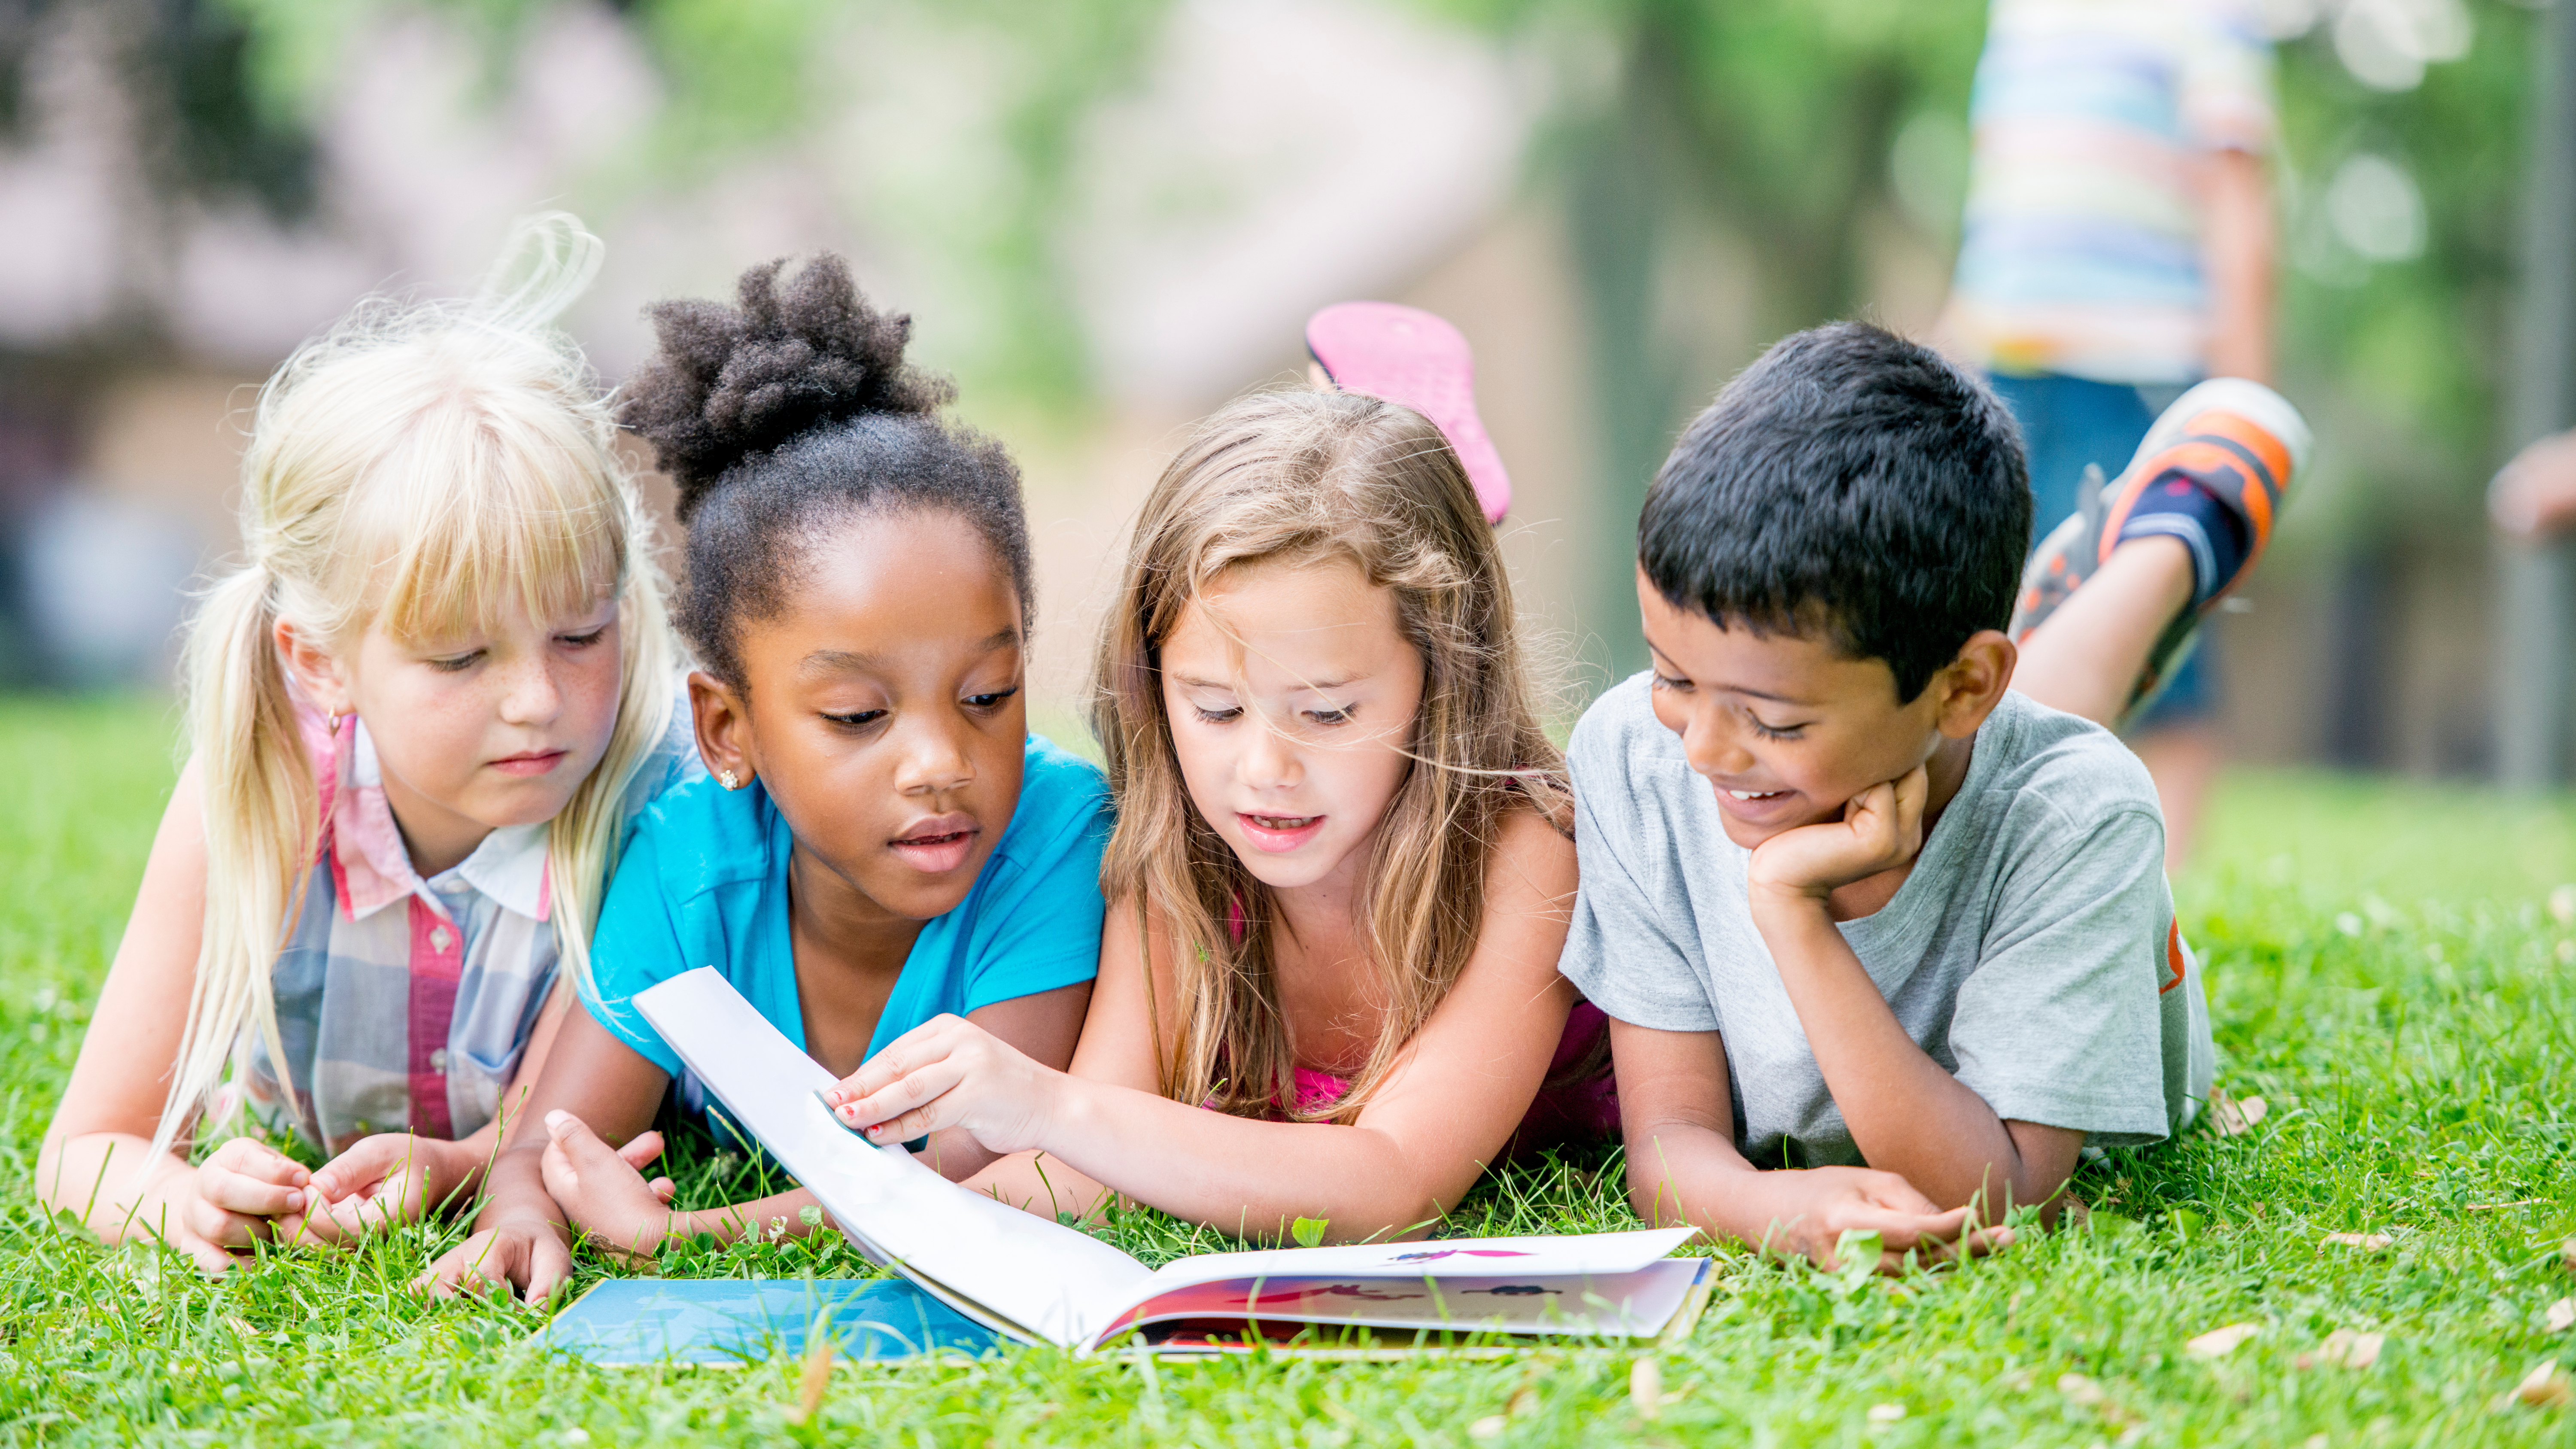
2387	973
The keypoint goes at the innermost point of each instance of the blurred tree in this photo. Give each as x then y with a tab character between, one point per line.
743	73
223	97
2402	257
203	134
1774	120
1797	125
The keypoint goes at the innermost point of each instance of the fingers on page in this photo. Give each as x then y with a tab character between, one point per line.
903	1101
872	1077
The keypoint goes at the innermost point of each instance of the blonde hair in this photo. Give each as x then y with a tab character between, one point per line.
1294	476
421	467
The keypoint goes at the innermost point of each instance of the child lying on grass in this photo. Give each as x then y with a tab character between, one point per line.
1339	882
1853	891
882	840
422	715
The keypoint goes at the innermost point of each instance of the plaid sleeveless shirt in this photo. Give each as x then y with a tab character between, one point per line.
404	1003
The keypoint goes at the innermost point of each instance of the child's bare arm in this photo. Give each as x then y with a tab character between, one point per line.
93	1161
602	1190
1906	1113
522	1239
2237	247
1678	1115
1415	1149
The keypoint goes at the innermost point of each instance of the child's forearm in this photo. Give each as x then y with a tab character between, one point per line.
1240	1176
515	1191
1907	1115
468	1159
1036	1183
94	1175
781	1214
1685	1172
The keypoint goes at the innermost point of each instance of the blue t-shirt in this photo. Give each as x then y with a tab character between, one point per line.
704	883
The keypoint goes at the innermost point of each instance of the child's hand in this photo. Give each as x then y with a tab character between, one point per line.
1881	828
1827	1202
245	1193
392	1177
526	1253
949	1072
602	1190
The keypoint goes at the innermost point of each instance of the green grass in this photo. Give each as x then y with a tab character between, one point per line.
2386	971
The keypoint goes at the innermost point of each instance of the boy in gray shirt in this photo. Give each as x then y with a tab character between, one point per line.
1860	903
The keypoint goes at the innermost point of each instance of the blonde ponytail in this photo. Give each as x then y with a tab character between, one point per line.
421	468
255	779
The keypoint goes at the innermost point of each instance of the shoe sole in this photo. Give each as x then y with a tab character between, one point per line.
1409	356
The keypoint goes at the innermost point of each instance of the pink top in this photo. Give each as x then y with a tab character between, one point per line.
1579	1111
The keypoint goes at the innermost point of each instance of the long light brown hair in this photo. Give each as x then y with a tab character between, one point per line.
1296	476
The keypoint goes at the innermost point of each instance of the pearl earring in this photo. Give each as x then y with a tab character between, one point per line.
729	779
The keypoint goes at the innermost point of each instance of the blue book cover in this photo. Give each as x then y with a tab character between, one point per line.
737	1320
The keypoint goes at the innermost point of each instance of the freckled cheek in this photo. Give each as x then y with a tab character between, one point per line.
591	688
430	736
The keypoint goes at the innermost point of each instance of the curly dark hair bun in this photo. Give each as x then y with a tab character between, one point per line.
800	349
793	414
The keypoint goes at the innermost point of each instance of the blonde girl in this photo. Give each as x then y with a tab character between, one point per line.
1339	880
421	714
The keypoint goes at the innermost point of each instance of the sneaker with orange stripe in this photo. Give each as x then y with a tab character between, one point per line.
2239	442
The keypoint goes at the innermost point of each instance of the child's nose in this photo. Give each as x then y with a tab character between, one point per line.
533	697
934	759
1269	761
1714	749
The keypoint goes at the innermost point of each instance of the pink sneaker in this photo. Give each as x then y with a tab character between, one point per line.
1409	356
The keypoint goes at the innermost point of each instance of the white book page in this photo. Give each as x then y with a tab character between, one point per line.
1568	1255
1042	1278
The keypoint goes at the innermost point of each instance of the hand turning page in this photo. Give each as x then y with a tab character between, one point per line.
1043	1282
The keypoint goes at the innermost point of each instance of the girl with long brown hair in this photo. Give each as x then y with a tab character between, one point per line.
1340	877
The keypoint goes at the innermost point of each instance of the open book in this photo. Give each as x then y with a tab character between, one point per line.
1041	1282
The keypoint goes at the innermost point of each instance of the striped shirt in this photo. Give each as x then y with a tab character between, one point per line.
404	1004
2081	249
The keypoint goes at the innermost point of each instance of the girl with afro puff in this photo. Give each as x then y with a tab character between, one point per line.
880	839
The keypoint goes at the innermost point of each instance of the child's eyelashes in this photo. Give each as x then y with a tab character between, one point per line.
1666	681
991	699
1774	732
583	641
456	663
1325	718
855	719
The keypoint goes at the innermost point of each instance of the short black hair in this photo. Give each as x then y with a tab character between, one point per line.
793	411
1853	482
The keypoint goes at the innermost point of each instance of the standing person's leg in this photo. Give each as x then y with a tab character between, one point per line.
2178	737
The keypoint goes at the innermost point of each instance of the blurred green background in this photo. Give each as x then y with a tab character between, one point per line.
1109	215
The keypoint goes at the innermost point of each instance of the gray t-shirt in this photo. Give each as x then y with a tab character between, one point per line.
2032	950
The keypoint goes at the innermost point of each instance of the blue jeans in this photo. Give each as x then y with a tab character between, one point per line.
2067	422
